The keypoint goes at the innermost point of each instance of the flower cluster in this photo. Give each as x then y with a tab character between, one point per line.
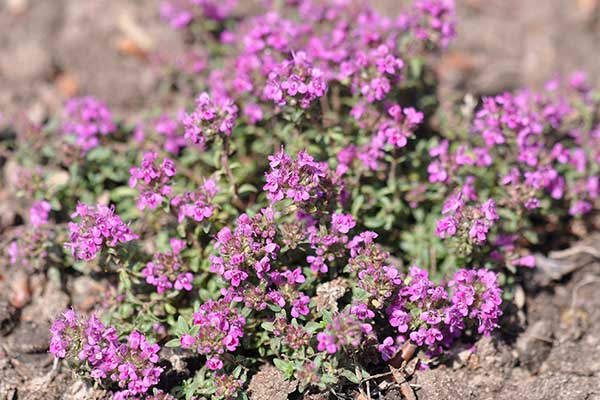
476	295
99	228
540	142
29	244
210	119
86	118
227	386
38	213
87	344
394	131
328	244
473	222
166	270
164	131
400	126
309	184
373	72
345	330
370	262
309	272
433	21
181	13
196	205
295	81
249	249
219	329
293	335
330	42
169	128
152	180
427	315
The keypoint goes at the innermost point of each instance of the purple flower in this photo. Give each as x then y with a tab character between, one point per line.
98	228
433	21
489	210
525	261
479	231
400	320
300	306
345	330
326	343
214	364
294	277
419	336
437	173
220	327
253	113
433	335
152	180
38	213
342	223
184	281
86	118
212	117
196	205
130	366
295	82
181	13
400	125
446	226
361	311
580	207
303	180
187	341
387	348
167	270
453	204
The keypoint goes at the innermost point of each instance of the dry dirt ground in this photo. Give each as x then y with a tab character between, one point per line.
548	349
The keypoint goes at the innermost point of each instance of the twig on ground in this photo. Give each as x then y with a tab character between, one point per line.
574	251
578	287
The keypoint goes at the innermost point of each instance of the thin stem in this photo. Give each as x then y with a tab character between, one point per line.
225	164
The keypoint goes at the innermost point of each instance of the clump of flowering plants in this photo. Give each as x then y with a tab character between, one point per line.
311	207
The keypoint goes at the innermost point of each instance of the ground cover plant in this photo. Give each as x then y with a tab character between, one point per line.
313	207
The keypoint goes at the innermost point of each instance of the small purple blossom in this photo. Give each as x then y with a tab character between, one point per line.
295	81
38	213
99	228
345	330
197	205
87	118
152	179
212	117
167	271
300	306
92	346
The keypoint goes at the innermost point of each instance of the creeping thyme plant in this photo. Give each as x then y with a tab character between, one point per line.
312	207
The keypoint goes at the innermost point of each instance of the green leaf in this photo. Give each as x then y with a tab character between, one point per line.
328	379
181	326
181	230
327	318
173	343
312	326
100	153
170	309
284	366
357	204
351	376
121	192
247	188
267	326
